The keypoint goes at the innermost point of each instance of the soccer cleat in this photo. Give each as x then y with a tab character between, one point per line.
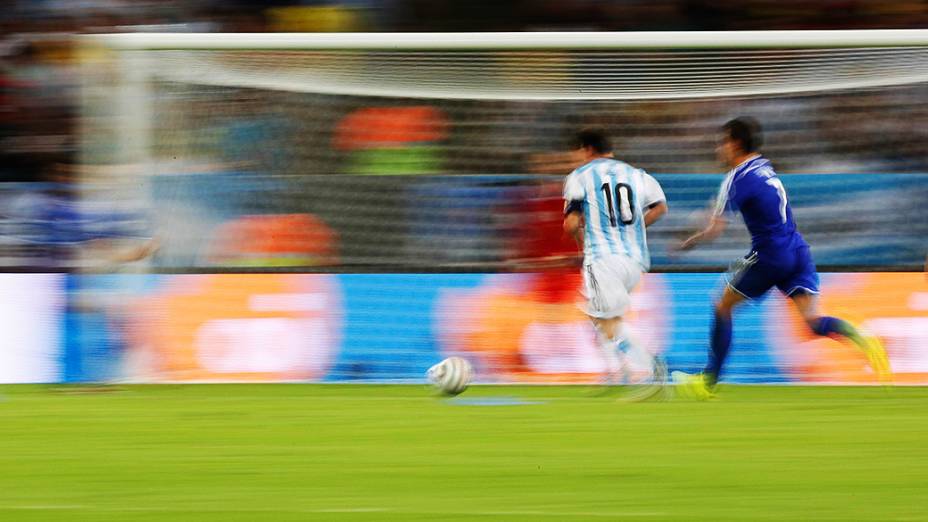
660	370
655	387
692	386
879	361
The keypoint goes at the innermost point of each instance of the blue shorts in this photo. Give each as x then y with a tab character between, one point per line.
792	271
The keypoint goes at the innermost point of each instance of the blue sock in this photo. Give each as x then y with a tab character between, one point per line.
833	326
825	325
721	342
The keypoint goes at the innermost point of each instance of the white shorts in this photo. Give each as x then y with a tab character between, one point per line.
607	284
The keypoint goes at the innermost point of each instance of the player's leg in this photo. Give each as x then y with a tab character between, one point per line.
802	288
807	304
615	331
700	386
605	310
720	342
606	331
608	285
627	352
606	288
625	274
749	278
645	372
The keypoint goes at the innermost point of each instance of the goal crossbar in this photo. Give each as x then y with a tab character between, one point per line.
516	41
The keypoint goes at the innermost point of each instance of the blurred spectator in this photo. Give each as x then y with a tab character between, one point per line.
392	140
37	106
274	240
38	84
316	18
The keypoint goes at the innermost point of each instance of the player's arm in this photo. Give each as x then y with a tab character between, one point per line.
573	223
574	199
654	200
724	204
713	230
655	212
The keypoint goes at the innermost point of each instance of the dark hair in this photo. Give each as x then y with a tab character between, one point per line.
746	131
595	139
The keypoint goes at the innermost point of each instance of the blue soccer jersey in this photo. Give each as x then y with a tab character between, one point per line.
780	255
753	189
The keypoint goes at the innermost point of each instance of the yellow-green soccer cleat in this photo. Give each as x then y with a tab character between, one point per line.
692	386
879	361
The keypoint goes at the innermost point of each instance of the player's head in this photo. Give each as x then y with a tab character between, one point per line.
593	142
740	137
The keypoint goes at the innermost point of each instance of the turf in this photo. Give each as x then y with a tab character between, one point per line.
307	452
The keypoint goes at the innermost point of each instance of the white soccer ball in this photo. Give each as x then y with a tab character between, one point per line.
451	376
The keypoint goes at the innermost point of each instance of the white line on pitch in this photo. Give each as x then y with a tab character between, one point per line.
464	512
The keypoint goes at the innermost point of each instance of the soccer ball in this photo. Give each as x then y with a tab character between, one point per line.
451	376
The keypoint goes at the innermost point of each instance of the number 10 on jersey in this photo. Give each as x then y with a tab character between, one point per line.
620	207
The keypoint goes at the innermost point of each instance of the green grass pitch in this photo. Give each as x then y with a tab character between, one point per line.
371	453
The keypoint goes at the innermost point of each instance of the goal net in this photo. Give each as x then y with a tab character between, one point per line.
410	153
419	151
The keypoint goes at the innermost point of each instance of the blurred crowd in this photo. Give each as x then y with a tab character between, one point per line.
279	132
38	68
268	133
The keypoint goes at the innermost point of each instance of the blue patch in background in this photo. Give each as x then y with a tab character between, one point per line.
389	328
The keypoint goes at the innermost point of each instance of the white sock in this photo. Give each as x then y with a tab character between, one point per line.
610	352
626	341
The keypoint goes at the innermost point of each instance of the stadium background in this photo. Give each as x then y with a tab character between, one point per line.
332	238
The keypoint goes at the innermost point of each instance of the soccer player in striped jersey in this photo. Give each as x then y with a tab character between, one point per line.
608	206
779	255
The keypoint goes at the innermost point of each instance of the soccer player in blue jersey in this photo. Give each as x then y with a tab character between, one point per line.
779	255
607	206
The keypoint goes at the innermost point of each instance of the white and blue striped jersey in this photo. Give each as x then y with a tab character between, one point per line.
613	197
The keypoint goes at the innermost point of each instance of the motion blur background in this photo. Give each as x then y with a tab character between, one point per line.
264	232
